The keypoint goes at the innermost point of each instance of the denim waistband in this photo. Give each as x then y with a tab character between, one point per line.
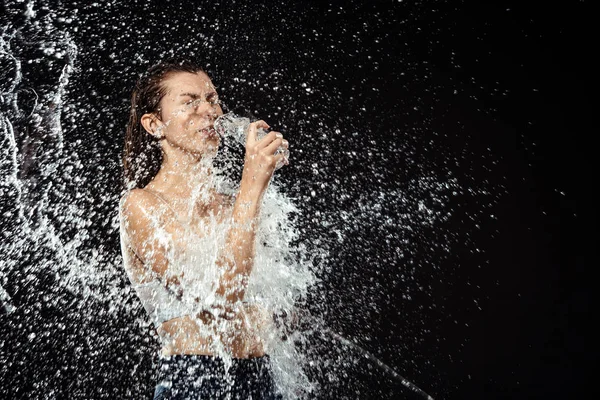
180	365
195	375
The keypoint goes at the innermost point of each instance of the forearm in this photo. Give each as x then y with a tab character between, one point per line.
237	257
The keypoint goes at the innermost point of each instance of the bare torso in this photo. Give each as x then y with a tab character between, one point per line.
244	335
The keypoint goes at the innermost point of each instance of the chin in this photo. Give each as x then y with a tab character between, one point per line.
209	150
206	147
212	149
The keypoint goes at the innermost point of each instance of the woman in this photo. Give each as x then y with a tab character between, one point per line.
172	207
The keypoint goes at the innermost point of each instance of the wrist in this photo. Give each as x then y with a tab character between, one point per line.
250	191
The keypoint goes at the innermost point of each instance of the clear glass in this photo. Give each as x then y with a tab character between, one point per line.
234	125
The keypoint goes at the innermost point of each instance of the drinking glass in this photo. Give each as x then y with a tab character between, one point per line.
235	124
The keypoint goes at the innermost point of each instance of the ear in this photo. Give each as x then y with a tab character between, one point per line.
151	124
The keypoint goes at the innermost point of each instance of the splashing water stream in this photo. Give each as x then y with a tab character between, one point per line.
62	286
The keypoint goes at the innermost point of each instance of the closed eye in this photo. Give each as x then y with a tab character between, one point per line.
195	101
213	99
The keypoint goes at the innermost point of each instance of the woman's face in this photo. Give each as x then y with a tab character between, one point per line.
188	111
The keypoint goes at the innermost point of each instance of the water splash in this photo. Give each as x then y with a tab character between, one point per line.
64	94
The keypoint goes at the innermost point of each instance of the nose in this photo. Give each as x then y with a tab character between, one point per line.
206	109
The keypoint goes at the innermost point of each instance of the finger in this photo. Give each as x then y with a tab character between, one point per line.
286	155
272	148
253	128
281	159
268	139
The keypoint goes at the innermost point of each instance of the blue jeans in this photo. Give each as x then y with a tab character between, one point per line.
204	377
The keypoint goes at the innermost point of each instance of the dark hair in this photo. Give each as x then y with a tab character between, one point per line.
142	156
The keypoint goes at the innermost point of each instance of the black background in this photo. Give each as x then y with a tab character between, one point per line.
498	93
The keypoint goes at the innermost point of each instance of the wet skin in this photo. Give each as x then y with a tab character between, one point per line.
184	127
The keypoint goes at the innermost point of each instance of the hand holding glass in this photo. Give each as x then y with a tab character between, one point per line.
234	125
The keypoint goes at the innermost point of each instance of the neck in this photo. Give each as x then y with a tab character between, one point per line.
183	173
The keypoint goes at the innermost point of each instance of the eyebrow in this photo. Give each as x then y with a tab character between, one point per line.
192	95
196	95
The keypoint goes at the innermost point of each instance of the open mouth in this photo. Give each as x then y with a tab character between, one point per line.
208	132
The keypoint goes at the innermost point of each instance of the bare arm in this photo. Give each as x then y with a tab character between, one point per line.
237	257
138	212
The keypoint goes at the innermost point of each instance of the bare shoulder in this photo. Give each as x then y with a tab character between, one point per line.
135	204
137	212
136	198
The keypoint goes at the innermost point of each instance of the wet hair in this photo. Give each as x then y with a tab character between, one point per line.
142	155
